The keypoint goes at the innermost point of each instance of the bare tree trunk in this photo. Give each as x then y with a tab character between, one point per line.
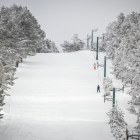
21	59
17	63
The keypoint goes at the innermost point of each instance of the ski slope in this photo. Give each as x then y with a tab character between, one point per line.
55	98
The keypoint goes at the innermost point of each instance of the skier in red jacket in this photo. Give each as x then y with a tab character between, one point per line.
94	66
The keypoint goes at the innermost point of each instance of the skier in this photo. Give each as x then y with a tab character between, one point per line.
94	66
98	88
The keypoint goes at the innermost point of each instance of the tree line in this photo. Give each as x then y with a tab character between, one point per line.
76	45
47	46
20	36
122	44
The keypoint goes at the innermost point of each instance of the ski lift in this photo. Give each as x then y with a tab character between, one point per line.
101	65
135	134
119	89
108	99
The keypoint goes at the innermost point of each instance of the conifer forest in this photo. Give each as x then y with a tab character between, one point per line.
46	94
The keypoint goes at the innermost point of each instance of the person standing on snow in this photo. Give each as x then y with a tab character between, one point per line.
98	88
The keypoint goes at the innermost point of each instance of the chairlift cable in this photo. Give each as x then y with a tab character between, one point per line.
94	56
98	76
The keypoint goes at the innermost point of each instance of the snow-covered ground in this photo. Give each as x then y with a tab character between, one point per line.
55	98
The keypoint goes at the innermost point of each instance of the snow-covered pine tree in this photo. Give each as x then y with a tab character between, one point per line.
20	35
67	47
48	47
116	121
75	46
122	41
7	59
54	48
78	44
101	45
42	47
7	71
135	96
3	86
132	110
3	83
20	30
107	86
137	128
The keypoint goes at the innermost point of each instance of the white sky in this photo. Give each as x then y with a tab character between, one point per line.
61	19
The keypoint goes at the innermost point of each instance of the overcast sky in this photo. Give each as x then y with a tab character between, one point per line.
61	19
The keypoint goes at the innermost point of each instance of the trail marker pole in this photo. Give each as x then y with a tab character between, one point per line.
104	66
113	97
97	50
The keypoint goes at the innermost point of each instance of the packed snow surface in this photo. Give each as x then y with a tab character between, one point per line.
55	98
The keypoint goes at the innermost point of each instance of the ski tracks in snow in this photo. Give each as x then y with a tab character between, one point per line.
55	98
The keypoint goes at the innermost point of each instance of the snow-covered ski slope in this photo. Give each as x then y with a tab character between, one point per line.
55	98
